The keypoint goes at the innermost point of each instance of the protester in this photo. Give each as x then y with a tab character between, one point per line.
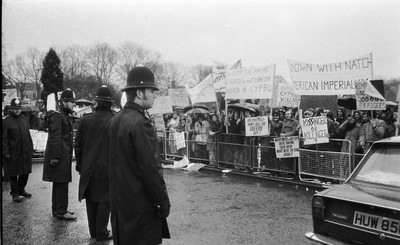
372	130
245	152
171	127
58	155
215	129
182	128
91	163
201	129
276	125
17	148
289	127
391	127
340	115
138	196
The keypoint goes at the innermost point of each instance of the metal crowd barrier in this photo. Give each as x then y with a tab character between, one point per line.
333	161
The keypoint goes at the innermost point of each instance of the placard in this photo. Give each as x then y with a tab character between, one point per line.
162	104
39	140
250	83
367	102
256	126
286	147
286	96
180	140
315	130
179	97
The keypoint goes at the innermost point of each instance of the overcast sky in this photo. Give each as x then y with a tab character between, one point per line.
260	32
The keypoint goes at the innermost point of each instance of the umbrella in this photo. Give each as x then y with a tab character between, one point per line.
242	108
197	111
28	108
187	108
348	102
84	101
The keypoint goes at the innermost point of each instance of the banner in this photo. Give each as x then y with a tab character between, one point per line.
162	104
179	97
203	92
366	102
286	147
219	75
286	96
250	83
180	140
330	79
256	126
315	130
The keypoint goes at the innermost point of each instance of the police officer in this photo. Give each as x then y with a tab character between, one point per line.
17	150
58	155
138	196
91	162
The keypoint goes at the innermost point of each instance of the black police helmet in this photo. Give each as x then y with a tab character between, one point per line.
104	94
140	77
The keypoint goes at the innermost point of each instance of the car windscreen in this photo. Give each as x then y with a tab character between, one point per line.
382	166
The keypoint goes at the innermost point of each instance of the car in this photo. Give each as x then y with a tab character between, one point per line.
365	209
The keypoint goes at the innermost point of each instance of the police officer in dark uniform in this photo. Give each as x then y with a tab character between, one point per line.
91	162
138	196
17	150
58	155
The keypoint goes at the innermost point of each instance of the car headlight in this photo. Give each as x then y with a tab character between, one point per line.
318	207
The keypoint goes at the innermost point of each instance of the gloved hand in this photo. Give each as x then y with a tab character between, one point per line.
54	162
78	168
163	209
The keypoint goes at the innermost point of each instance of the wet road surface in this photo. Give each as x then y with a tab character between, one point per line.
208	207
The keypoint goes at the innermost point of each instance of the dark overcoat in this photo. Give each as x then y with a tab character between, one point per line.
91	155
17	146
136	181
59	146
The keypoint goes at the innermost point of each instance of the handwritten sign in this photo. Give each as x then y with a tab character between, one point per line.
315	130
162	104
286	147
179	97
367	102
180	140
256	126
287	97
250	83
330	79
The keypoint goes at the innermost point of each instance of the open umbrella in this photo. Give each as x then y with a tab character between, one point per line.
348	102
187	108
242	108
197	111
83	102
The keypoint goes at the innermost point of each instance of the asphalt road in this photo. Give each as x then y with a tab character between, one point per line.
208	207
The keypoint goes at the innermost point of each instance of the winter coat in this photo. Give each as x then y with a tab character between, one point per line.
91	155
215	127
289	127
59	146
369	134
136	181
351	133
17	146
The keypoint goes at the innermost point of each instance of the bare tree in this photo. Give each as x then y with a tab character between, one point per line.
16	71
34	59
172	75
131	55
199	72
73	62
101	61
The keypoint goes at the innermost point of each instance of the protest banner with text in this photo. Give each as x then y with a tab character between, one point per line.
330	79
365	101
287	97
286	147
179	97
250	83
180	140
315	130
162	104
256	126
203	92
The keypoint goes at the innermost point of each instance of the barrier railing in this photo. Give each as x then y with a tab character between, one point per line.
333	161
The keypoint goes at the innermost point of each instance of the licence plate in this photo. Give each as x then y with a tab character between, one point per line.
378	223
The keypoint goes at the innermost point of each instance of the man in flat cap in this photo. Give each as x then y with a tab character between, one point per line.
138	196
92	164
17	148
58	155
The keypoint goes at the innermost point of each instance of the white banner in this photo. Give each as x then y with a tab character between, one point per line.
162	104
367	102
286	96
330	79
203	92
256	126
315	130
250	83
179	97
286	147
219	75
180	140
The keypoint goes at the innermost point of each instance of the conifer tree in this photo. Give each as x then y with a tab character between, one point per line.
52	76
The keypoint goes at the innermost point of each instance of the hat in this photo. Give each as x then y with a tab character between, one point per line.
140	77
104	94
275	113
15	103
67	96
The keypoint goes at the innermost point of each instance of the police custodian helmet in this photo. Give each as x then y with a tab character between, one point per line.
104	94
140	77
15	103
67	96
